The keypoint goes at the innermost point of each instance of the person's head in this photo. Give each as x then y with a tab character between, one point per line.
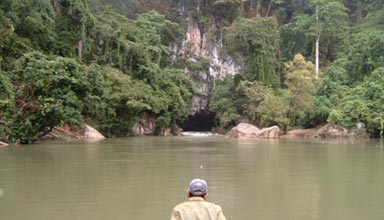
198	188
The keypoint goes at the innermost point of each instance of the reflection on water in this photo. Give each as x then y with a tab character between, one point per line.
143	178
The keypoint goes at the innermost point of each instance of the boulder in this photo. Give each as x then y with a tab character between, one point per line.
91	133
337	131
176	130
63	133
166	132
3	144
146	126
245	130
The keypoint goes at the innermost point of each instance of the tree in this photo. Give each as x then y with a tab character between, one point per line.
226	102
74	22
254	42
263	106
326	19
47	92
300	83
329	91
361	50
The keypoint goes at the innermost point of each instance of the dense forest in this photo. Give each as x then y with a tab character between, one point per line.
109	63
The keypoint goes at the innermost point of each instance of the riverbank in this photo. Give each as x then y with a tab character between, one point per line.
299	134
327	131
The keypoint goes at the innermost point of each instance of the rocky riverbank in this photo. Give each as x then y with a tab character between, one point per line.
328	131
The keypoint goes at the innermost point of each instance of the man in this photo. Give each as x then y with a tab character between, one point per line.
197	208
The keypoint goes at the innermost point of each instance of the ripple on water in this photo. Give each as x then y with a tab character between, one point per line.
1	192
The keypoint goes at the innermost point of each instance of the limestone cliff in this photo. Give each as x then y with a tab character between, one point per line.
196	46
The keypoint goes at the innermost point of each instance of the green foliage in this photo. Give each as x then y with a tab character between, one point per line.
372	22
180	90
124	70
300	83
362	103
168	31
324	20
330	89
73	24
225	11
226	102
323	107
200	65
328	17
351	110
138	48
364	54
333	82
124	100
262	106
293	40
6	86
48	91
34	22
6	93
254	41
374	90
372	6
127	7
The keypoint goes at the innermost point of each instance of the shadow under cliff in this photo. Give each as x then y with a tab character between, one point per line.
202	121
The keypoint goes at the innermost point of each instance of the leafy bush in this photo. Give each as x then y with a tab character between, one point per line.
226	102
362	103
48	91
263	106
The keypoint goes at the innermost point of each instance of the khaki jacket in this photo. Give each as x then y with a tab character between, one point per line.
196	208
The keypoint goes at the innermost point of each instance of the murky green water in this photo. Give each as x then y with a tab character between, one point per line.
143	178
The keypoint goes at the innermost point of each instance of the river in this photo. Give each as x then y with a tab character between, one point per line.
142	178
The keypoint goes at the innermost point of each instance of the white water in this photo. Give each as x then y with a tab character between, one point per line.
198	134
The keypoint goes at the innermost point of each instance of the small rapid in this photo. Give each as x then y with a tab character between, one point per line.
198	133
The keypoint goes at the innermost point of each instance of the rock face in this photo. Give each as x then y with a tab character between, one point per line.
245	130
195	46
202	46
91	133
146	126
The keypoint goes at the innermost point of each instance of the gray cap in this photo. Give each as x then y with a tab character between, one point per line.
198	186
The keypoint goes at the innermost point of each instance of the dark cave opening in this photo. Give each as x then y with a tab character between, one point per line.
201	121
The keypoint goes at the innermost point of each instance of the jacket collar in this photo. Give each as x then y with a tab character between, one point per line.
196	199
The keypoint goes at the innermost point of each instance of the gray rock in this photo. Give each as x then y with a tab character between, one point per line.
245	130
91	133
337	131
146	126
3	144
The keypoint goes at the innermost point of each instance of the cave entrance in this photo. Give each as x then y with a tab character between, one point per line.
200	121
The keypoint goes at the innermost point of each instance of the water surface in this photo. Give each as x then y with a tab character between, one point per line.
143	178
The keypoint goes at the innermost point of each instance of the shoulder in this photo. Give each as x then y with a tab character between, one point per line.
215	205
202	203
180	205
